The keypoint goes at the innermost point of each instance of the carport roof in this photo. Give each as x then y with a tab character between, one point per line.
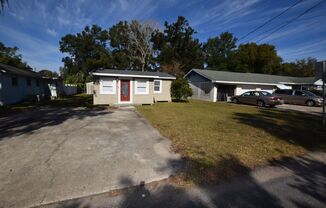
129	73
250	78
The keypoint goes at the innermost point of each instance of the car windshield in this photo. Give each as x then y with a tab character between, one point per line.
264	93
310	93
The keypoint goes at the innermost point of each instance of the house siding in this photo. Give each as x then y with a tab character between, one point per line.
150	98
13	94
165	94
202	88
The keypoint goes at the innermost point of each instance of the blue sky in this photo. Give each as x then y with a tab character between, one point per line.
36	26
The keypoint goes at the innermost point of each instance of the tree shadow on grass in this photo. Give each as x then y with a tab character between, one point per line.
29	121
294	127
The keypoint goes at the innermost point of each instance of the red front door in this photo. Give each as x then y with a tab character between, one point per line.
125	90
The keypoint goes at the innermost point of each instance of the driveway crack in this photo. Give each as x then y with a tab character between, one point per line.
48	165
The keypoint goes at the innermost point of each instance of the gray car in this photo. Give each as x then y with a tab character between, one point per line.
299	97
260	98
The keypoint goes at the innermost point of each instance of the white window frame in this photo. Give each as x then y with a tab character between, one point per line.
114	86
157	80
136	87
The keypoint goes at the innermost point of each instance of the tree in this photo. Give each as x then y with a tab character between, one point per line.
180	89
48	73
132	45
255	58
119	40
219	51
299	68
140	44
176	44
87	51
10	56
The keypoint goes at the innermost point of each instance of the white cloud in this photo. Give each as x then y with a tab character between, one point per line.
37	52
51	32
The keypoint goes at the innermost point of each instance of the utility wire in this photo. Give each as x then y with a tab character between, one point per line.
292	20
271	19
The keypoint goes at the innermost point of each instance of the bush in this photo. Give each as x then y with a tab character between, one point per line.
180	89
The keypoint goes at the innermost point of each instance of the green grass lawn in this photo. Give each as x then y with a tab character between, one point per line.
221	140
79	100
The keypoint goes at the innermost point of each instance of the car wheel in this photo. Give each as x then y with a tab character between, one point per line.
235	101
260	103
310	103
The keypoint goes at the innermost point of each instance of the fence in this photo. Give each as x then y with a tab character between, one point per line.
89	88
69	89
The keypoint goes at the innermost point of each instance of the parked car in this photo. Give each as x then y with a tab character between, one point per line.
260	98
300	97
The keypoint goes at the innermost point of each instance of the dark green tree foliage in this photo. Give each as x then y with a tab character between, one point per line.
255	58
86	51
48	73
176	44
299	68
119	38
219	51
10	56
180	89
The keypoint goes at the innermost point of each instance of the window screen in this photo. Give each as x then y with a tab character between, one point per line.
28	81
107	86
157	85
141	87
14	81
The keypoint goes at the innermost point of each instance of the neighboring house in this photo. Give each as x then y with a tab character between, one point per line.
131	87
220	85
17	85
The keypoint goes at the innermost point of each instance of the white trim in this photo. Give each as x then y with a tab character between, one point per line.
214	93
113	85
250	83
160	91
130	91
147	87
130	75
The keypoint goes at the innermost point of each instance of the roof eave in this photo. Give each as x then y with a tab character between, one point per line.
130	75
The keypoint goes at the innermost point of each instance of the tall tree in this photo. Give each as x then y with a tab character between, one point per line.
48	73
119	40
300	68
140	44
86	51
176	44
255	58
10	56
219	50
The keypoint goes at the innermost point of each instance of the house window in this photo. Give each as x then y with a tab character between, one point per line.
28	81
14	81
141	87
157	86
107	86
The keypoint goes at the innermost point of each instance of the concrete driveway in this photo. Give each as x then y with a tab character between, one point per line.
53	154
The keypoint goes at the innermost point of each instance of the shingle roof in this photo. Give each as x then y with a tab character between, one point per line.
133	73
17	71
220	76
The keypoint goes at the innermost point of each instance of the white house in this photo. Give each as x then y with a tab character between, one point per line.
219	85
